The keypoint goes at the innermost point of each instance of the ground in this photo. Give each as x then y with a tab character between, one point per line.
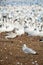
11	50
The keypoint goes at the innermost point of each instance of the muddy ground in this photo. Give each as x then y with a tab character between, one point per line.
11	50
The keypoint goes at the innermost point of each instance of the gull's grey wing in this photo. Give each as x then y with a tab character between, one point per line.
27	50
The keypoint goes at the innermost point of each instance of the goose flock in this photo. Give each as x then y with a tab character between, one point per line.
18	20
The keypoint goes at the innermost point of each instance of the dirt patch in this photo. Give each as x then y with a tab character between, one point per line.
11	50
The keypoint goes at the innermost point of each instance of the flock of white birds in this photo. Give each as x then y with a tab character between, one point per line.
18	20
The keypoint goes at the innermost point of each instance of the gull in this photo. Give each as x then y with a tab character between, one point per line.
11	35
28	50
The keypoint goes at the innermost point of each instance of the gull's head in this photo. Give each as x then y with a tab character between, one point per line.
24	45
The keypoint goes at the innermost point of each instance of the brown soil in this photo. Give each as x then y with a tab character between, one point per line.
11	50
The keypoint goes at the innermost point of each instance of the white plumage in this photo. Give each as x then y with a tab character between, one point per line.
28	50
11	35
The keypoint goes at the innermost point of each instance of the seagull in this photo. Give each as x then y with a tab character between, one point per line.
11	35
28	50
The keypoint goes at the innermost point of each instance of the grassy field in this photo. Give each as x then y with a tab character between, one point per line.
11	50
